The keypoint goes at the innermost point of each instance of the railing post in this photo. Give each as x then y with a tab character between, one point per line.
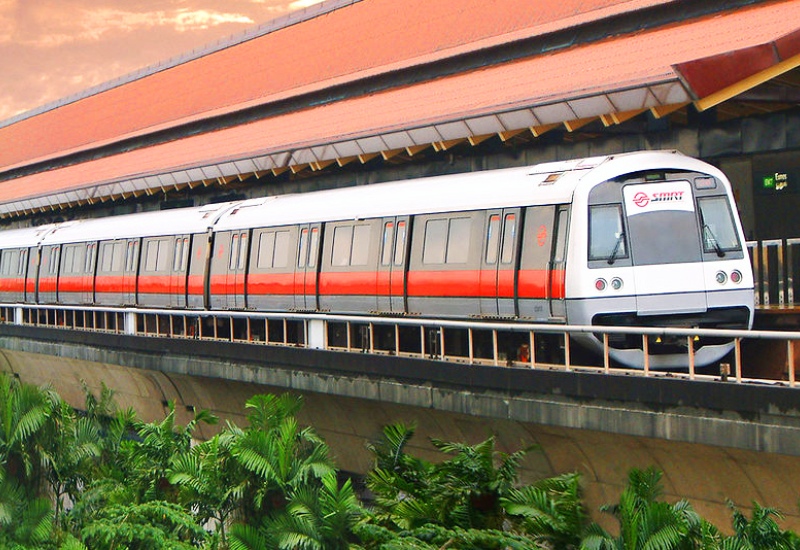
690	347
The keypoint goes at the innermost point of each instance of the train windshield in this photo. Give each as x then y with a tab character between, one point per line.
717	226
662	223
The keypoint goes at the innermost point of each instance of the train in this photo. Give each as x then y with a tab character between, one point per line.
648	238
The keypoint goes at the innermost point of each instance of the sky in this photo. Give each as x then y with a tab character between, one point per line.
51	49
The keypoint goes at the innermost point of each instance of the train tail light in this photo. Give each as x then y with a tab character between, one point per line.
736	276
600	284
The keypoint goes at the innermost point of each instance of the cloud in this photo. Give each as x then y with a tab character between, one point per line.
300	4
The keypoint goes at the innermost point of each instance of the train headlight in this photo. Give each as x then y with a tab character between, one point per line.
736	276
616	283
600	284
721	277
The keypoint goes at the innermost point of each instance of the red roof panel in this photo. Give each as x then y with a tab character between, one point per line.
623	63
367	37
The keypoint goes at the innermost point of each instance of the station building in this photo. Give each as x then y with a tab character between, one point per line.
351	92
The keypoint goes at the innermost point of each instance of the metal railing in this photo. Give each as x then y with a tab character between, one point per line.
515	345
776	272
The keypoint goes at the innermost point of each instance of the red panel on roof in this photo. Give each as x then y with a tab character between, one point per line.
713	73
371	35
614	65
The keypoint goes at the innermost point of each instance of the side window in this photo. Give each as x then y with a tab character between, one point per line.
342	243
69	259
492	238
509	239
400	244
435	241
302	254
313	247
106	259
243	240
387	242
23	260
458	241
156	255
89	263
234	252
177	257
447	240
359	254
132	249
266	250
55	257
606	233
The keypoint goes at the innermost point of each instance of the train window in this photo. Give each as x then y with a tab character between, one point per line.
458	241
130	256
388	238
313	247
509	239
492	239
234	252
360	251
156	256
303	253
242	251
151	256
106	256
273	249
178	255
342	243
23	260
266	250
606	233
185	260
8	259
718	229
435	241
280	257
400	244
55	256
89	265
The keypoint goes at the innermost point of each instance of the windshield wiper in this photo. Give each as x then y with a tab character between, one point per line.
617	246
713	240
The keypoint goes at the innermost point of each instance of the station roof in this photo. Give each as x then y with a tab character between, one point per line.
346	81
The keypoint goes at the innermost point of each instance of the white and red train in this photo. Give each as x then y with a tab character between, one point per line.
648	238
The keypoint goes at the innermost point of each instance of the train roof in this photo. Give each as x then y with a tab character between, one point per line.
27	236
547	183
450	193
179	221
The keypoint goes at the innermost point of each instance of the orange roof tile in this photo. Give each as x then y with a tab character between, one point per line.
361	39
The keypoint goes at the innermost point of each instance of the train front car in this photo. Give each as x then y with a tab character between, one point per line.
657	242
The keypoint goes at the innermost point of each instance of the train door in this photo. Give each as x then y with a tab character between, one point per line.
499	263
178	275
306	272
129	270
235	274
556	272
32	274
392	267
87	277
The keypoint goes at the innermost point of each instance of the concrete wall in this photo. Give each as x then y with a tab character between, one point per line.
707	475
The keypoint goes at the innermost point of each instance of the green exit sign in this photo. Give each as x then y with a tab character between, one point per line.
777	181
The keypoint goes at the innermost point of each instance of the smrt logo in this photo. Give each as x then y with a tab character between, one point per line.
641	199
